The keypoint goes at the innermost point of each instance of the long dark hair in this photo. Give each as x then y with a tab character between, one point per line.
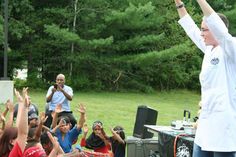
8	135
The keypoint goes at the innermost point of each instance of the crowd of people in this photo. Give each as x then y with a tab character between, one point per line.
28	132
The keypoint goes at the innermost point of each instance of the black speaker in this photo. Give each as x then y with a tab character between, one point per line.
145	116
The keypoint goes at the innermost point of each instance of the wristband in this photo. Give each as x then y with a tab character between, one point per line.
181	5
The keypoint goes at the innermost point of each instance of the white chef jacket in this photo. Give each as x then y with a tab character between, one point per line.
217	121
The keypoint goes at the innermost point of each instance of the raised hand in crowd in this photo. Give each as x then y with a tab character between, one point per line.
116	136
82	110
42	120
22	123
55	114
10	108
42	117
2	120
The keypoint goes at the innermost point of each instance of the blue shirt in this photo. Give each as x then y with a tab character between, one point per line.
70	136
59	98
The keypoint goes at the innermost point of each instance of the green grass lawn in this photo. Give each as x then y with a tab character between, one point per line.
120	108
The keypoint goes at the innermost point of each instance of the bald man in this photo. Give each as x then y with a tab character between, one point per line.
61	94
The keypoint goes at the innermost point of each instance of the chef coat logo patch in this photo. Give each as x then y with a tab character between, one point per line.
215	61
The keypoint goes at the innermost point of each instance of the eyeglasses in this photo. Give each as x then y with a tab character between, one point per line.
204	29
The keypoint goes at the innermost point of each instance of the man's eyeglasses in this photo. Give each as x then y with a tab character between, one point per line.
204	29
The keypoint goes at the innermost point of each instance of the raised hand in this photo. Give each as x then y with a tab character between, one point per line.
116	136
82	119
82	108
10	105
43	117
112	131
18	96
2	118
26	96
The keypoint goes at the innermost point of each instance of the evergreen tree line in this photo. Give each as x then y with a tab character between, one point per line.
105	44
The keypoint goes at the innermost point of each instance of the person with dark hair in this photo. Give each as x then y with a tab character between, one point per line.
215	135
33	139
35	149
46	143
33	113
65	134
118	143
97	140
32	109
7	141
48	147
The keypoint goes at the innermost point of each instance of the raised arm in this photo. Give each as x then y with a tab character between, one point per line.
218	25
189	26
23	118
117	136
53	130
10	107
58	110
3	121
56	146
38	132
206	8
81	121
83	139
180	8
4	114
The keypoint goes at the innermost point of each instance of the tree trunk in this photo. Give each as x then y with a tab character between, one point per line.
73	30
